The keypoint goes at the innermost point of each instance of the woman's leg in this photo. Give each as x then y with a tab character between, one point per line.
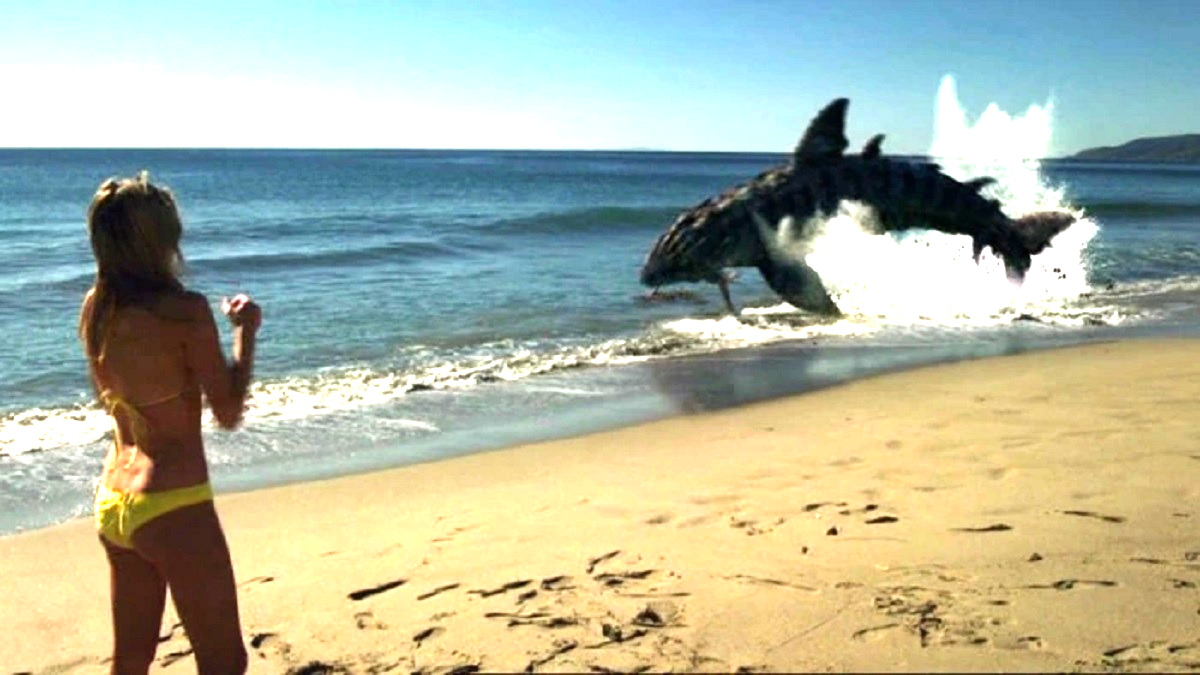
138	595
189	547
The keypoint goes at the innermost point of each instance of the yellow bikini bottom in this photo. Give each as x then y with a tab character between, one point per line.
119	514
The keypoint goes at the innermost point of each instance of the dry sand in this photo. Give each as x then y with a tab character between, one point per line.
1032	512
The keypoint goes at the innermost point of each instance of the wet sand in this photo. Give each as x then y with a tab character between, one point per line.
1022	513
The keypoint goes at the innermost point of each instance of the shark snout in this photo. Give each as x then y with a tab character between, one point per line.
659	272
651	274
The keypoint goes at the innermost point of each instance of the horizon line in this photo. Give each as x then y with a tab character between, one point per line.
637	150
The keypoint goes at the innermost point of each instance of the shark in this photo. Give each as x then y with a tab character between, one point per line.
759	223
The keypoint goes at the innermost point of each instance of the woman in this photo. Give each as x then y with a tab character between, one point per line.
152	349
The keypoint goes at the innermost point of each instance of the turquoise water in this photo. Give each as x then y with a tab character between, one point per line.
420	304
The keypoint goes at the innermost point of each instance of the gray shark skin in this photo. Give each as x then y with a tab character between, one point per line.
749	225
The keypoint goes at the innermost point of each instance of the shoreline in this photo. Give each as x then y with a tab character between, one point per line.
635	394
1027	512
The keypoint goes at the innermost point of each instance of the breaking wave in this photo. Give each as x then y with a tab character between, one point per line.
353	388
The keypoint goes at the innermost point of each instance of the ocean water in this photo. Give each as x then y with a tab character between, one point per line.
424	304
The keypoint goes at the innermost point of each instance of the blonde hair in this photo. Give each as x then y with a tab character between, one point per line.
134	228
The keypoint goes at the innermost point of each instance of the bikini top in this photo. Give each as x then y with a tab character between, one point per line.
113	402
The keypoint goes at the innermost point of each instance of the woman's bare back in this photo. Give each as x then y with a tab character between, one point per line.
157	359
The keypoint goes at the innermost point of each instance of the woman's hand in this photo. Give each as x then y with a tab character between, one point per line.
242	311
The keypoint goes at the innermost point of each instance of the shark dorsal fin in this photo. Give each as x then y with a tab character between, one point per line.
978	184
825	137
872	149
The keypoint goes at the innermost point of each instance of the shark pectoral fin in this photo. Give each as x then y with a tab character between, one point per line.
797	283
976	248
785	271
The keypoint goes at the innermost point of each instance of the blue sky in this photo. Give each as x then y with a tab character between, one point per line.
575	74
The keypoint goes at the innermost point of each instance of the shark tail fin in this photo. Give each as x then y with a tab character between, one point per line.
1030	235
1037	229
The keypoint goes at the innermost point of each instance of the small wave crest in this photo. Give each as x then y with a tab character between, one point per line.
600	219
1136	209
396	251
37	429
77	277
336	391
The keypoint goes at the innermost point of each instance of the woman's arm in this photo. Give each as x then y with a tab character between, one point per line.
224	384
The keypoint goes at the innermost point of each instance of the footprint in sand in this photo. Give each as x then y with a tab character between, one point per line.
437	591
1164	655
881	520
619	578
944	616
512	585
1092	514
536	618
1190	559
363	593
593	562
932	488
695	521
172	657
319	668
872	632
657	614
1031	642
751	527
256	581
616	619
560	647
995	527
1068	584
367	621
708	500
424	635
270	642
866	509
813	506
561	582
766	581
267	645
846	461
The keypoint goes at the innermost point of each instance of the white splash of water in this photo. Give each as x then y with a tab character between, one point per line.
38	429
930	276
761	326
999	145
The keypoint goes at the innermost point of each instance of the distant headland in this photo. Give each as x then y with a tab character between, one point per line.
1181	148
